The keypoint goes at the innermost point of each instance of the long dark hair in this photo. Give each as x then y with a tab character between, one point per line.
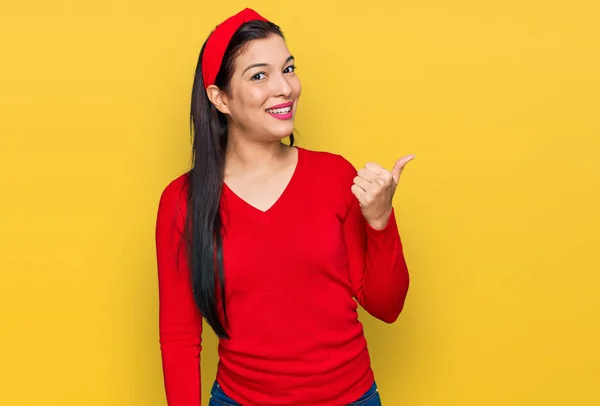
204	223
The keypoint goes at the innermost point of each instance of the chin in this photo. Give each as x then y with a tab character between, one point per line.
283	131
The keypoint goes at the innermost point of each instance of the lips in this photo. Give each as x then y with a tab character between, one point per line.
281	106
281	111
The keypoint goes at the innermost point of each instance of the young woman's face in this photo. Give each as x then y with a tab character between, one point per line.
264	90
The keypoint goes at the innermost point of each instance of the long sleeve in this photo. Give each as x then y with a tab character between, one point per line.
378	270
180	323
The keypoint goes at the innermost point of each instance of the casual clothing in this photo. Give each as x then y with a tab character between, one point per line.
293	275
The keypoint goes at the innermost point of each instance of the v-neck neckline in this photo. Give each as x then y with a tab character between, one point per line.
280	200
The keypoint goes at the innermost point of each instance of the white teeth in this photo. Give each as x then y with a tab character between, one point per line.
279	111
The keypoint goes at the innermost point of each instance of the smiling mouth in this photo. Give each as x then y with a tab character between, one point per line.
284	110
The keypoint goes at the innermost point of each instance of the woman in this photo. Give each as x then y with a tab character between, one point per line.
273	245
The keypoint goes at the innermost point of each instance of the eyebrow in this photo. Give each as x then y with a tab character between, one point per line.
257	65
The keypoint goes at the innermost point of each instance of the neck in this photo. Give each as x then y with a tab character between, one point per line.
243	156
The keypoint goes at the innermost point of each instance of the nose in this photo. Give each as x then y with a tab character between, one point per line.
282	86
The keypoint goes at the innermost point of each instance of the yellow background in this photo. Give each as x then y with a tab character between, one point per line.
499	213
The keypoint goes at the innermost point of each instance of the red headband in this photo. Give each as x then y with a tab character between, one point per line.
219	39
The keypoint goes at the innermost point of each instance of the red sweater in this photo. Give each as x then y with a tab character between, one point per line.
294	275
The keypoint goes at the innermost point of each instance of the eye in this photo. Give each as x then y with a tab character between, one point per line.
290	69
258	76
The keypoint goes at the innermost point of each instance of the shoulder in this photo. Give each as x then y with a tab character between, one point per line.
330	163
173	197
176	189
331	176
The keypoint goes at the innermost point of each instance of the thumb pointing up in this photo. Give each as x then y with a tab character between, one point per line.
399	167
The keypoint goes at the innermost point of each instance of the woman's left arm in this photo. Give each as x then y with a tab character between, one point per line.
378	270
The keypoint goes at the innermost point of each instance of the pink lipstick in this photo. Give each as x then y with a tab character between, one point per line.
281	111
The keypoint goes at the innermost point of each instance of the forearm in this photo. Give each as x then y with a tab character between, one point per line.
181	373
385	279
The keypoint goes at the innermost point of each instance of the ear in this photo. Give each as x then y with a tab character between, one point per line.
218	98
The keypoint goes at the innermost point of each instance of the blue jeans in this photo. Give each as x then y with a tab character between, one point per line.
219	398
